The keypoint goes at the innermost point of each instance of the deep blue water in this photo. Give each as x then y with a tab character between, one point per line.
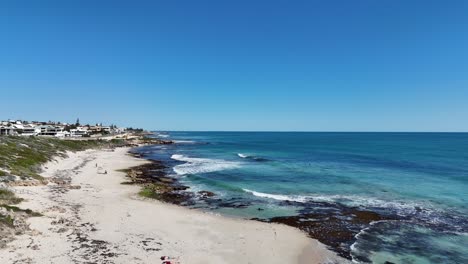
421	176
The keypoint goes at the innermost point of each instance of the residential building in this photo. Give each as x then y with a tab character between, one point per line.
49	130
79	132
7	131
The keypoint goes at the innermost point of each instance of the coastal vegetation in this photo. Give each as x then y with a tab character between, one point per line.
22	156
8	197
9	213
20	161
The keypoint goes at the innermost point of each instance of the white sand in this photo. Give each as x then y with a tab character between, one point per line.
105	222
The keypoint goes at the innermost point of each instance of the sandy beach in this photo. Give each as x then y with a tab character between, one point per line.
90	217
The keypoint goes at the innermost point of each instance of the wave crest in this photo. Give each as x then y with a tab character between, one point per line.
200	165
349	200
254	158
279	197
184	142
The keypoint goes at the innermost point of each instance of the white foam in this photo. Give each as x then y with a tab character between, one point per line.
460	233
279	197
162	135
350	200
242	155
199	165
184	142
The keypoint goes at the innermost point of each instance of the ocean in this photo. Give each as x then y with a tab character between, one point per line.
372	197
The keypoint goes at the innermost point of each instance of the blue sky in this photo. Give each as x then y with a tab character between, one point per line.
238	65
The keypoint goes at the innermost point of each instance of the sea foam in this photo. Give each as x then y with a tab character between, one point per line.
350	200
199	165
184	142
279	197
249	157
160	135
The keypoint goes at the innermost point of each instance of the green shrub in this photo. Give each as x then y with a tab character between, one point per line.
17	209
7	220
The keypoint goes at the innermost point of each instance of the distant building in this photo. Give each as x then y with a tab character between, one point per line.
79	132
119	130
56	129
7	131
24	129
100	129
48	130
29	130
62	134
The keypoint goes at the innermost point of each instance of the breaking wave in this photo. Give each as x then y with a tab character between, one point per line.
349	200
160	135
184	142
199	165
423	212
254	158
279	197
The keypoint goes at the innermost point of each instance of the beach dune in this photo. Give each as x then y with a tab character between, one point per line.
95	219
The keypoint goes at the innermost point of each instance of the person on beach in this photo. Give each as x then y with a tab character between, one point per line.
169	260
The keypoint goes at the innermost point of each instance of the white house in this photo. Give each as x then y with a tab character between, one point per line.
29	130
62	134
24	130
18	127
79	132
48	130
7	131
119	130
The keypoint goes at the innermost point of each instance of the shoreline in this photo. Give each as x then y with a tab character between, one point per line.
96	218
333	225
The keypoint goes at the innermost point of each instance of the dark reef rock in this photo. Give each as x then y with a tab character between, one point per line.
156	184
206	194
234	203
334	225
178	198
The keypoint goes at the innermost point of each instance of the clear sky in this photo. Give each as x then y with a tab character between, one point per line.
350	65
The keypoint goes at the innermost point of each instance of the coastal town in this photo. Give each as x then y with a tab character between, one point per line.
57	129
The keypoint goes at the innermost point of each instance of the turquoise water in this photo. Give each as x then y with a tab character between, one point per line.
422	177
